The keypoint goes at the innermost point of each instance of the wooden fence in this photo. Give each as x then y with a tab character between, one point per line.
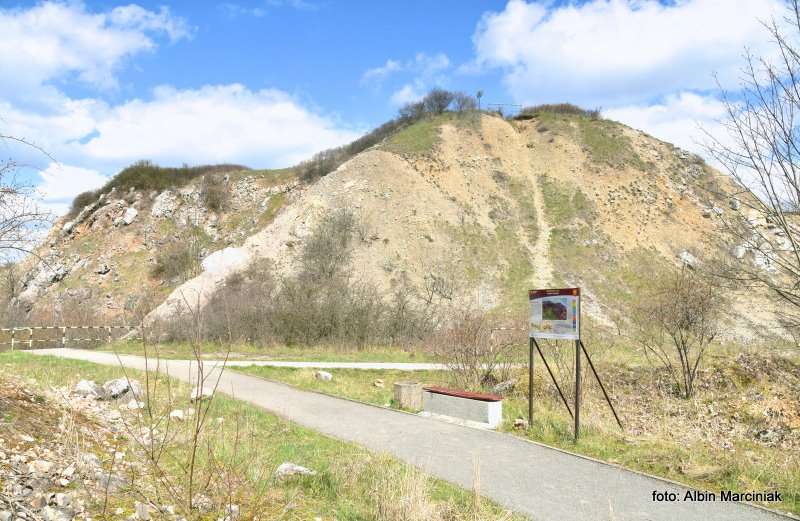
41	337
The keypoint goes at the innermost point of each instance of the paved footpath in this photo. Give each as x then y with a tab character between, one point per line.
544	483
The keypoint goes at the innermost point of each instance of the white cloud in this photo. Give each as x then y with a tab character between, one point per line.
681	119
59	184
408	93
424	67
606	52
54	40
379	73
215	123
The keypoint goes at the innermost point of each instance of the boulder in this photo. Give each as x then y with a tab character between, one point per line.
120	387
325	376
688	259
504	387
129	216
164	204
288	469
177	414
88	388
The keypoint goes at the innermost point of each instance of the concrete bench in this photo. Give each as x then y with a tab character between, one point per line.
482	408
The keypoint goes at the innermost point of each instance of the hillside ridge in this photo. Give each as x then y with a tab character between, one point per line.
492	205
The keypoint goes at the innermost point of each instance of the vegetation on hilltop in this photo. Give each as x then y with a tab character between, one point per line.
435	103
144	175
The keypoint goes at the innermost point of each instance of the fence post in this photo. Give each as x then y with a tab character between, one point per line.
64	336
108	329
30	338
12	338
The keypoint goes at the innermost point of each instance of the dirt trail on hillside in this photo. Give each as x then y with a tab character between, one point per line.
540	250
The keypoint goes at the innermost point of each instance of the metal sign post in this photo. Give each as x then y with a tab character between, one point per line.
555	315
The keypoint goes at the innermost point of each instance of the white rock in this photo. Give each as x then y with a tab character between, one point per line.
202	503
325	376
142	511
55	514
130	215
735	204
287	469
134	405
688	259
5	515
122	386
40	467
201	394
226	260
63	500
88	388
164	205
739	252
177	414
232	512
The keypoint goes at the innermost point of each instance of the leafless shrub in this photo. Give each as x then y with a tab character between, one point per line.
677	322
437	101
476	357
559	108
214	192
463	102
180	259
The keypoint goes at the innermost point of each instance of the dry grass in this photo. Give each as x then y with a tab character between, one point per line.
239	453
741	431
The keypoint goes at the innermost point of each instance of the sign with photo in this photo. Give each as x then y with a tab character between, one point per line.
555	313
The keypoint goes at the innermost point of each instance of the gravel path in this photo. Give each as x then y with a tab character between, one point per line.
544	483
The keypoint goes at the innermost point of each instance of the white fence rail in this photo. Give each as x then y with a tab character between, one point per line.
26	337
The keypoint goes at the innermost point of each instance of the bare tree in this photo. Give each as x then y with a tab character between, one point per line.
677	323
437	101
761	150
21	219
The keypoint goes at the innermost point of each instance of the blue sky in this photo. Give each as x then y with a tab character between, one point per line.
267	83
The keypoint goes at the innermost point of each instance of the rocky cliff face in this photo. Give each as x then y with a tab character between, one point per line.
485	206
102	260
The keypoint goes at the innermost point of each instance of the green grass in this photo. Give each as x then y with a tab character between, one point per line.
355	384
423	136
604	140
565	203
179	350
750	466
345	487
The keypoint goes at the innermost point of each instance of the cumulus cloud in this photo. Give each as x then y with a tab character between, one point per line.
216	123
59	184
55	40
681	119
53	44
607	52
417	75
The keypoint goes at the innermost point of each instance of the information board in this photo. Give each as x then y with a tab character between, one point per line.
555	313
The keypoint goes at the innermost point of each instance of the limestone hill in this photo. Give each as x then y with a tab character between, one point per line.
487	206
